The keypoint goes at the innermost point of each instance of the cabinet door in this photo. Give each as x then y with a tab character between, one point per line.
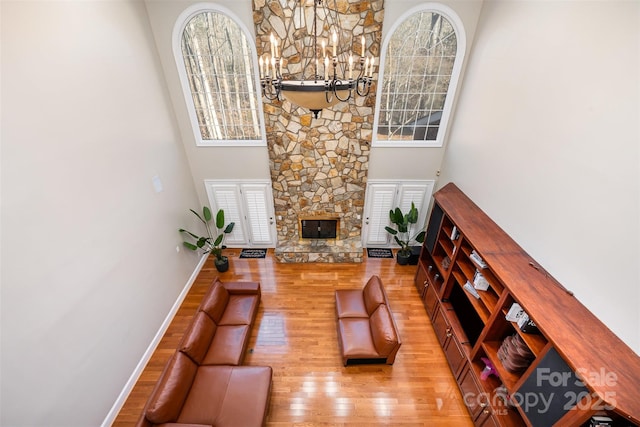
430	299
420	280
452	348
454	352
486	419
472	394
441	326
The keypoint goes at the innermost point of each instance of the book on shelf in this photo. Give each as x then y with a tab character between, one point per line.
454	233
477	259
469	288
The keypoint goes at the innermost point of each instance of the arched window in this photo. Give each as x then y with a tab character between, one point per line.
422	56
217	67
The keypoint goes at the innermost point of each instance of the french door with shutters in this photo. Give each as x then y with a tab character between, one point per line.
250	205
382	196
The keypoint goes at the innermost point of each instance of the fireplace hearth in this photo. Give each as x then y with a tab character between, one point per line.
321	250
321	239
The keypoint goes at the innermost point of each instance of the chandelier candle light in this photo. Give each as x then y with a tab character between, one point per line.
311	90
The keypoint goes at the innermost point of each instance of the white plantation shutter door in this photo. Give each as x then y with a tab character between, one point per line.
380	200
258	209
419	194
408	194
382	196
227	197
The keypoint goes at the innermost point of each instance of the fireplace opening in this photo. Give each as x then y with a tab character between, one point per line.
318	228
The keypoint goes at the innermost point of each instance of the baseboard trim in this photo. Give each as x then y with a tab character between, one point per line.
124	394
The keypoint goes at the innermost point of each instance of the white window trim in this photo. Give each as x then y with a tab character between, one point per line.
178	29
461	41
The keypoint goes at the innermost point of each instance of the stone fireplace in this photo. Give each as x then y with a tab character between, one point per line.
319	179
319	165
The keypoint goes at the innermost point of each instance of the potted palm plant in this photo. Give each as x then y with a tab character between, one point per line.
212	242
402	232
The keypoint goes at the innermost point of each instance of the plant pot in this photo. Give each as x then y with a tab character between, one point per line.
415	255
221	264
403	259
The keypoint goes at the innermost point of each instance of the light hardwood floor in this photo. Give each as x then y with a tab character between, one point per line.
295	333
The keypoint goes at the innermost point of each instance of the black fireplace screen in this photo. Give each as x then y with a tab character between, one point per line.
319	228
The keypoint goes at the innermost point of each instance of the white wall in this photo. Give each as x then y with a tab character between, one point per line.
89	262
205	162
545	140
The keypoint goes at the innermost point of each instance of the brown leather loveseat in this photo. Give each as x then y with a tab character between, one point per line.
367	331
203	383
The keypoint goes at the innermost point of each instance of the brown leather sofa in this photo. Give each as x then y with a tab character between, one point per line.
203	383
367	331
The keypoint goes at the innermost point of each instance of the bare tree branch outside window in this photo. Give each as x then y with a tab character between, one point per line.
220	73
417	72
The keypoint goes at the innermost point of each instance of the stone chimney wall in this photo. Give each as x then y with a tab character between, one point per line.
319	165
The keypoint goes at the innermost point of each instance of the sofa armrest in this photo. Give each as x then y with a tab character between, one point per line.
238	288
143	421
384	333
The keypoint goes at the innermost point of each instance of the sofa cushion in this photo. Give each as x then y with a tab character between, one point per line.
373	294
227	396
383	331
355	338
206	396
215	301
350	303
198	338
240	310
171	390
246	402
228	345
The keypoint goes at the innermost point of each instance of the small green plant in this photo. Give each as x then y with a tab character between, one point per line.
404	225
214	238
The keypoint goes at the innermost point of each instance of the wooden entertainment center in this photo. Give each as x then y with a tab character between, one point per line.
567	368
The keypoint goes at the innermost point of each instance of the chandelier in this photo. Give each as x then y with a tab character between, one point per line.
327	75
